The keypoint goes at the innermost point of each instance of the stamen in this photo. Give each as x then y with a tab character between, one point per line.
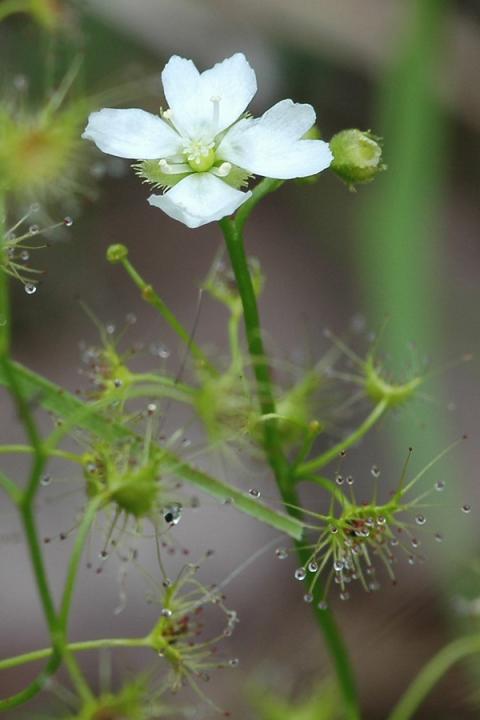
222	170
215	100
175	169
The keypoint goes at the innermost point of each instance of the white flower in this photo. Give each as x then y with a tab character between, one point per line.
204	147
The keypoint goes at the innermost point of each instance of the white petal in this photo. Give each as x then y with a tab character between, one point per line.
181	86
133	133
199	199
272	145
234	82
192	96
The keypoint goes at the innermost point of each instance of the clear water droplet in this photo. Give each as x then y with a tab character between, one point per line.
103	555
281	553
345	595
30	288
350	480
420	520
375	471
68	221
466	508
339	479
439	485
46	480
254	493
172	515
308	598
300	573
33	229
312	566
24	255
166	612
234	662
438	537
322	605
338	565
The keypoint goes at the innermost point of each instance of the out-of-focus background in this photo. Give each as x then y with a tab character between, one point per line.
406	246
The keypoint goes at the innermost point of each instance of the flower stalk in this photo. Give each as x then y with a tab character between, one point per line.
232	229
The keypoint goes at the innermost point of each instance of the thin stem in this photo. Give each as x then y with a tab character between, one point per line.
10	488
273	448
431	673
232	231
28	450
307	468
77	676
149	294
35	655
75	557
36	685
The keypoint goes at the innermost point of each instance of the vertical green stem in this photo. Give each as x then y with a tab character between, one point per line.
232	231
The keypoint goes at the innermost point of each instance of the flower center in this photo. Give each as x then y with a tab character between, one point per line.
200	155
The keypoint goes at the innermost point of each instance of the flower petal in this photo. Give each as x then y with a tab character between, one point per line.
272	145
132	133
192	97
234	82
199	199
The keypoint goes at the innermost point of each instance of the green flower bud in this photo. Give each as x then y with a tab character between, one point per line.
357	156
40	151
117	253
136	492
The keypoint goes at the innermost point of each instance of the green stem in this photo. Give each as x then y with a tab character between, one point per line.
77	676
273	448
431	673
28	450
35	655
307	468
149	294
80	539
10	488
232	231
36	685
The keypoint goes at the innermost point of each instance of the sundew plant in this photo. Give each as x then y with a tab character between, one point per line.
277	440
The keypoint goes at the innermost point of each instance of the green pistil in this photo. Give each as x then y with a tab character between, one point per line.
202	162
